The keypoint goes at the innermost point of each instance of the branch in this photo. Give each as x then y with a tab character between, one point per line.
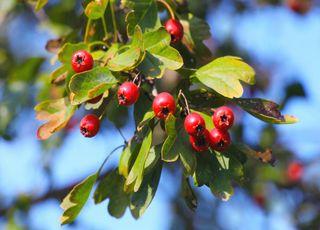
57	194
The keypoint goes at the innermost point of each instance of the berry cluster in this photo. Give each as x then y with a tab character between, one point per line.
218	138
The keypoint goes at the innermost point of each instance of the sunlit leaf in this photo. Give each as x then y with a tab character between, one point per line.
76	199
160	55
224	74
135	176
96	9
90	84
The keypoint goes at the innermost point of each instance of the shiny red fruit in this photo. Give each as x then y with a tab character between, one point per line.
163	104
128	93
95	99
81	61
175	29
194	124
219	139
200	143
223	118
295	171
89	125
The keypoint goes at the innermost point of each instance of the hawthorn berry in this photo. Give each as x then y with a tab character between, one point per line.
89	125
194	124
295	171
299	6
223	118
201	143
175	29
219	139
81	61
128	93
95	99
163	104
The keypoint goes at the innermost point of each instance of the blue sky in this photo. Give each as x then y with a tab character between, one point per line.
269	34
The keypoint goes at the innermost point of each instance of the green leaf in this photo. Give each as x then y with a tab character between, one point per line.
59	73
146	118
111	187
141	107
66	52
207	119
40	4
221	185
76	199
135	176
206	170
128	157
152	159
144	13
166	154
223	75
265	110
57	112
160	55
132	55
195	31
141	200
90	84
188	194
96	9
187	155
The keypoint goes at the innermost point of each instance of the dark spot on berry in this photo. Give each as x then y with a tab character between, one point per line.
122	98
221	143
79	59
165	110
84	131
104	48
201	141
223	118
173	38
199	128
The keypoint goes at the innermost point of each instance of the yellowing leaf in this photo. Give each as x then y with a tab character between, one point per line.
56	112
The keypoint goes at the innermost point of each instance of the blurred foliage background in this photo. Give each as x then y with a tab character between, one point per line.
287	194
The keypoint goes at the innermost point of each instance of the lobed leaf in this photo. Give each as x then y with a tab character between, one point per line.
144	14
57	112
131	57
111	187
188	194
90	84
159	54
95	9
224	74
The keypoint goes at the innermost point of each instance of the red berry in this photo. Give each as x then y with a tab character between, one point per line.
259	199
194	124
223	118
89	125
175	29
200	143
299	6
163	104
95	99
81	61
128	93
295	171
219	139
